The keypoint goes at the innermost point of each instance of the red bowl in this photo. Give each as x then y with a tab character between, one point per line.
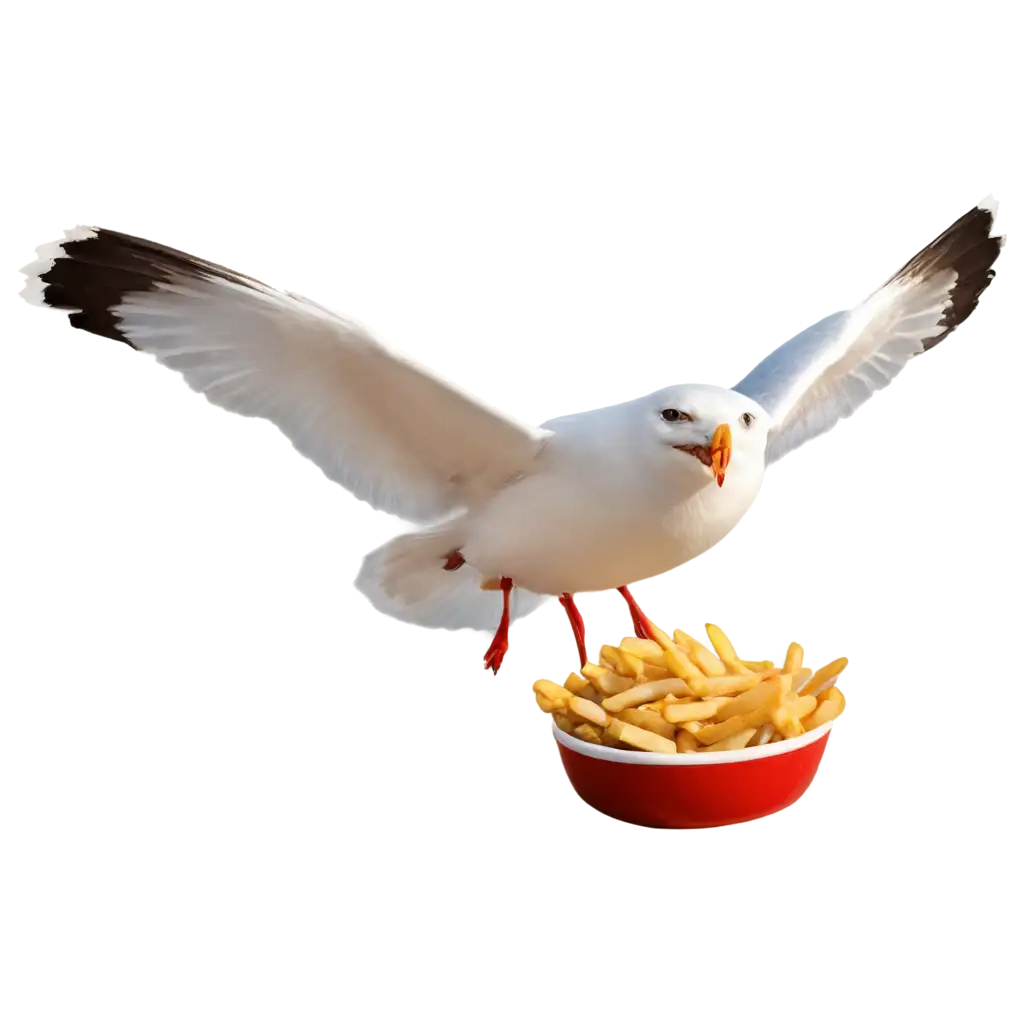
692	790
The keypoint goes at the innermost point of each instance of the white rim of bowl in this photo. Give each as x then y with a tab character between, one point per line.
712	757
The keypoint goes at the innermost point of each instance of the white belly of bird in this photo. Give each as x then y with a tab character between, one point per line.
553	539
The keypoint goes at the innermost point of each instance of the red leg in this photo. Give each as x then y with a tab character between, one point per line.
642	626
577	626
499	645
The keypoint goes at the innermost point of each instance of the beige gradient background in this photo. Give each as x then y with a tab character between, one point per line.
197	823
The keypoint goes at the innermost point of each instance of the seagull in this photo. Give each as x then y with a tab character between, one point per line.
506	514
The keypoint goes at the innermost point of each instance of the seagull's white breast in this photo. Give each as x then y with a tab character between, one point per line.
571	527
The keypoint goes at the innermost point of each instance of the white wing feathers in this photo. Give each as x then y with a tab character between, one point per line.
392	432
828	371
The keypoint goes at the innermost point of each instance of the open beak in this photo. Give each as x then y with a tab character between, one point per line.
721	451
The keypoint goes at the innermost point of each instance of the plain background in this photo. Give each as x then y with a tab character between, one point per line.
230	791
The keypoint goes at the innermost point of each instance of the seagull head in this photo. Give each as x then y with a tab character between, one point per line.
708	428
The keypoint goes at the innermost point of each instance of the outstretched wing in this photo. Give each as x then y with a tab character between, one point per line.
827	372
395	434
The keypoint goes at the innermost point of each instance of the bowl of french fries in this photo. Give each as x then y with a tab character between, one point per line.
668	733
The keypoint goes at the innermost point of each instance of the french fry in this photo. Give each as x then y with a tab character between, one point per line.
707	662
725	650
654	672
763	735
588	710
575	683
824	675
794	659
728	686
609	683
759	666
735	742
632	664
564	722
753	719
642	739
550	695
831	705
749	711
610	658
589	692
678	662
723	730
693	712
686	742
646	650
786	717
745	703
649	720
644	693
587	732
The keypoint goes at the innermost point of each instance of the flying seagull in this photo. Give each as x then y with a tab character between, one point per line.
508	514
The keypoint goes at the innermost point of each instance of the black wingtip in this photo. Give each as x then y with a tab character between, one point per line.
91	271
966	247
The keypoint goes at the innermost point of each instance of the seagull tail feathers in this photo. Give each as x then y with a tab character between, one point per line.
406	578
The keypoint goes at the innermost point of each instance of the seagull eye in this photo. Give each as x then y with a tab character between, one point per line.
675	416
746	419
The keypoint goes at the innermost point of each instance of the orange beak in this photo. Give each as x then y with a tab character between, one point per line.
721	451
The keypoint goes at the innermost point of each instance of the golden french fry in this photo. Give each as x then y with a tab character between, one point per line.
753	699
642	739
646	650
575	683
824	675
735	742
590	692
588	710
653	672
609	658
707	662
678	662
759	666
753	717
645	693
831	705
686	742
800	678
763	735
608	740
609	684
564	722
696	711
723	730
587	732
786	717
794	659
649	720
725	650
727	686
553	690
631	665
692	727
591	672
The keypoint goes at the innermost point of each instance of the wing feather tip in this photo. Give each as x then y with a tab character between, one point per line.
47	254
